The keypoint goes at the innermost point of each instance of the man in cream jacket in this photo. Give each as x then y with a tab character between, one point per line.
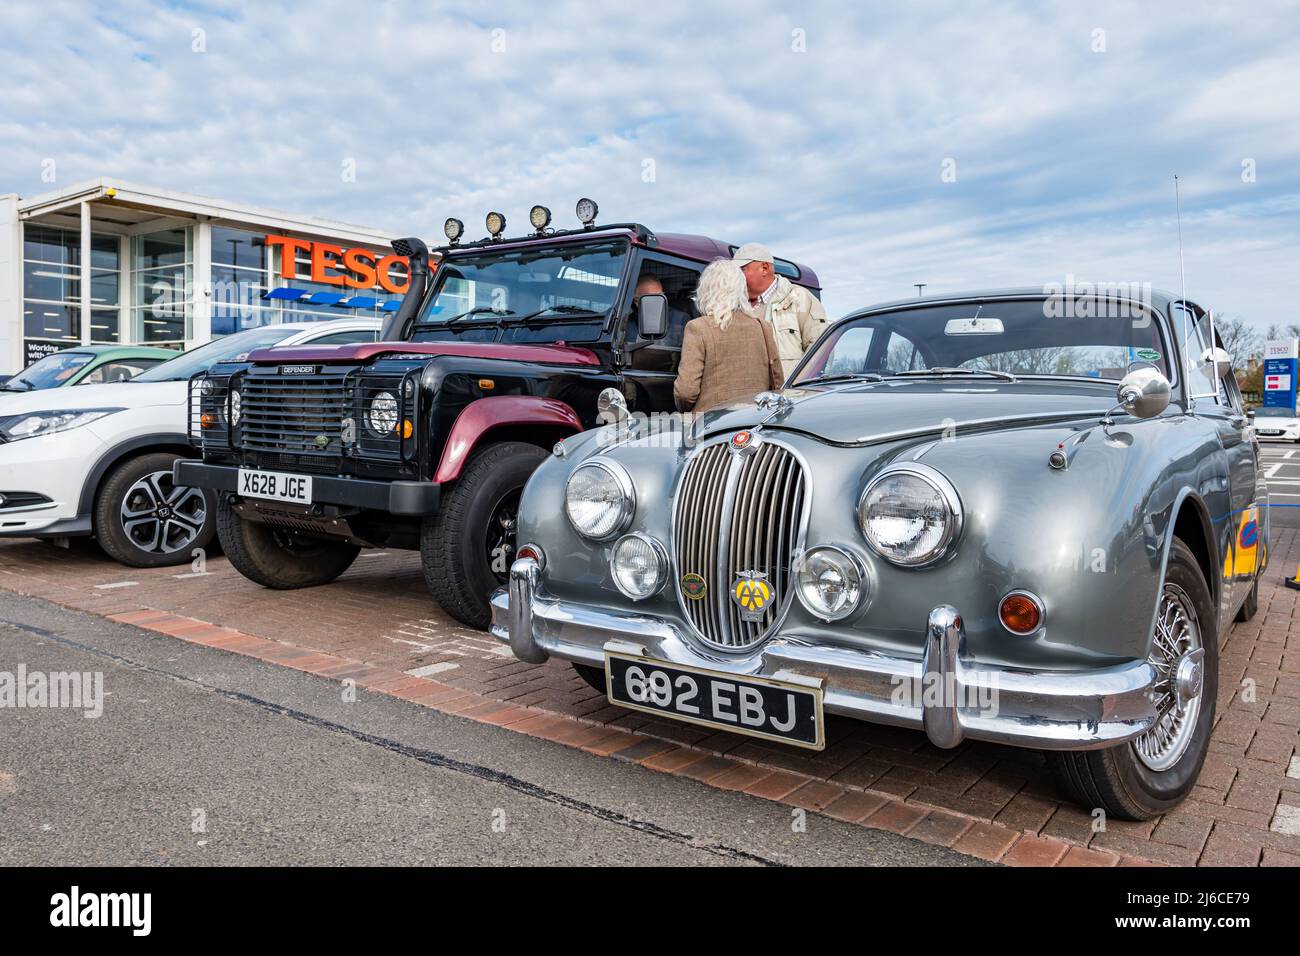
796	316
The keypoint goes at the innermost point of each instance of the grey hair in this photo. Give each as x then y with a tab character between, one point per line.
721	291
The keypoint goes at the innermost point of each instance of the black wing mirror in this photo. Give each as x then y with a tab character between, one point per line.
652	315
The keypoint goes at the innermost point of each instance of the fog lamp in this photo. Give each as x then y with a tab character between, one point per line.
540	217
496	224
639	565
829	583
453	229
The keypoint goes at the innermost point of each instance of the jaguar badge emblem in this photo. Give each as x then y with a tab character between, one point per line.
752	593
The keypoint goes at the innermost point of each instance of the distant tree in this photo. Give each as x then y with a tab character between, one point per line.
1240	339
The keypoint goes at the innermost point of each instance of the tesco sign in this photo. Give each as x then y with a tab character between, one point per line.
356	268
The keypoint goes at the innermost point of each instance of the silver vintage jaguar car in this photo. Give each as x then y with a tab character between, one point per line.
1016	516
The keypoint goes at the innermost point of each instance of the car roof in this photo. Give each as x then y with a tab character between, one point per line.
1158	298
325	327
686	245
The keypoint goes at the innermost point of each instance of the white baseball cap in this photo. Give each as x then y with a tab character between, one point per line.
751	252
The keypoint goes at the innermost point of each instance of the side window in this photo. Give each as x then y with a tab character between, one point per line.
678	285
901	355
850	352
122	371
1200	377
347	338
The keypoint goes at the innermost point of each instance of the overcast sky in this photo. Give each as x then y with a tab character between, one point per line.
963	145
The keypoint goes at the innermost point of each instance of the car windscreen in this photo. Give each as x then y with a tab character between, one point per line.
1267	412
225	349
544	294
1022	337
49	372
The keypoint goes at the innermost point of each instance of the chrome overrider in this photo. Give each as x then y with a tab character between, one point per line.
944	693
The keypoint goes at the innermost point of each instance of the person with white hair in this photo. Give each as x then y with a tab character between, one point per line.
795	314
728	353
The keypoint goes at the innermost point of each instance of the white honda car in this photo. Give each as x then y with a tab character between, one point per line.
1277	424
97	459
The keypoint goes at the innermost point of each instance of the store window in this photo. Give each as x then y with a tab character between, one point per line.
52	285
162	270
241	275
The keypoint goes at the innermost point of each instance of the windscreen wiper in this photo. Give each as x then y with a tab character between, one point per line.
945	370
478	310
841	377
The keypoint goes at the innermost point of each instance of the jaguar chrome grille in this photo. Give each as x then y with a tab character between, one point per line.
738	512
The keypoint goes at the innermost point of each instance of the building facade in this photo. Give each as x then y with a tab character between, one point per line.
112	262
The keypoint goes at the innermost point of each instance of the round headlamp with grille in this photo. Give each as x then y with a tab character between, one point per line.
381	414
910	515
599	499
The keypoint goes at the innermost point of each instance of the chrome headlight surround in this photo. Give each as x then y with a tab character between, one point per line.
942	488
857	581
660	554
624	507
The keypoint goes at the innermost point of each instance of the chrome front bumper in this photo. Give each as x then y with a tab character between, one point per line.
945	694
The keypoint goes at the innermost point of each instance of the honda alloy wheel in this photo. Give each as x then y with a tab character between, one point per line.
145	520
161	517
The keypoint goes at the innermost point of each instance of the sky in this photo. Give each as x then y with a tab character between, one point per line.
961	145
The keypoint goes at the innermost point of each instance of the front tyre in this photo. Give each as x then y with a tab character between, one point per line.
144	520
277	558
467	548
1151	774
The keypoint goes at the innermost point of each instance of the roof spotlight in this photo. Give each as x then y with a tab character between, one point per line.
586	211
496	224
540	217
453	229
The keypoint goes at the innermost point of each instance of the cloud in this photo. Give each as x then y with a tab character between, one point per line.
1065	126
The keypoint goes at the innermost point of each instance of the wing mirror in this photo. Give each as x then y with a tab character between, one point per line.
611	406
1221	361
1144	392
652	315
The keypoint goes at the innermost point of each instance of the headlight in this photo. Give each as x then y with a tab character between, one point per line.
829	583
234	408
910	515
34	424
381	414
639	565
599	499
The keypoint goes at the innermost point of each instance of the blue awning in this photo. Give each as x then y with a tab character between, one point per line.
296	295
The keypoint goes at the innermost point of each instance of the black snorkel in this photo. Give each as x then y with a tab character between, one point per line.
417	258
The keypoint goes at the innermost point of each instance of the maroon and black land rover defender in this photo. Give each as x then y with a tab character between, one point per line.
426	438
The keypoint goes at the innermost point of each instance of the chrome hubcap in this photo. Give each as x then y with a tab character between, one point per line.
1178	658
160	517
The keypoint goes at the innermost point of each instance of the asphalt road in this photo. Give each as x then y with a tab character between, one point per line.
204	757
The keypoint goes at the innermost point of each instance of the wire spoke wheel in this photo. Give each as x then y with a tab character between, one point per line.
1176	655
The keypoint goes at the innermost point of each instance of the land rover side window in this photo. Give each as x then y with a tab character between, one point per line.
1021	336
678	284
545	290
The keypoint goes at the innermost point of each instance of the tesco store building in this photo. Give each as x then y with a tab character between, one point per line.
115	263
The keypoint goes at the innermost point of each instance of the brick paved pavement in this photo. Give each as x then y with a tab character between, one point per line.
376	626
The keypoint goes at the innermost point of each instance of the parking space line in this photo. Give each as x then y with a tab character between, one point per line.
1272	470
118	584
